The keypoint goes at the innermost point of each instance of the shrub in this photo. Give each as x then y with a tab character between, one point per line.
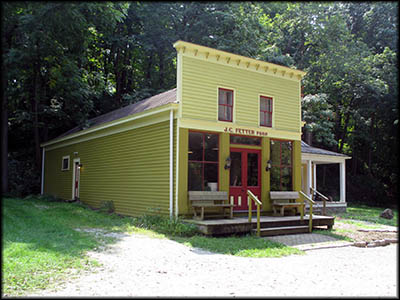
23	176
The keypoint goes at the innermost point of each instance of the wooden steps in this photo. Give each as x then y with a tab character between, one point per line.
270	231
269	225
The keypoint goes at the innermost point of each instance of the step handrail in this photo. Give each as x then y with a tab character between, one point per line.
324	199
312	202
251	196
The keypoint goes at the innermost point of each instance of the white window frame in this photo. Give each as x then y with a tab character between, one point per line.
62	163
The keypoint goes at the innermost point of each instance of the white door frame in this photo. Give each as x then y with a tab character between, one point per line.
76	160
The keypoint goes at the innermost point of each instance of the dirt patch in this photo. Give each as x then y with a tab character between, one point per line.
359	234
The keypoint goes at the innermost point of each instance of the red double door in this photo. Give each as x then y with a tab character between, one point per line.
244	175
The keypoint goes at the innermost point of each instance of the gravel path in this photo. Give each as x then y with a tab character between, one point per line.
141	266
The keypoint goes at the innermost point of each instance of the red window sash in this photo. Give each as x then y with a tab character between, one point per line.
203	161
266	112
224	106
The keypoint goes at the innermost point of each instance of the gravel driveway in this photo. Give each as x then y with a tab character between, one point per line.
137	265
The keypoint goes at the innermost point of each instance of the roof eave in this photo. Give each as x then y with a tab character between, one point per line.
155	110
187	45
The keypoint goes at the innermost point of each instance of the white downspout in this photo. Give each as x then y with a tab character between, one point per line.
171	161
177	169
42	183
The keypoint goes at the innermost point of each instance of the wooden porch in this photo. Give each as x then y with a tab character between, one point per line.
270	225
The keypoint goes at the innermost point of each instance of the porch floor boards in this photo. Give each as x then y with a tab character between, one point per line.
241	224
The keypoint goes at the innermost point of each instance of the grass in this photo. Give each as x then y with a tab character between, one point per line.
44	240
367	214
245	246
41	245
362	217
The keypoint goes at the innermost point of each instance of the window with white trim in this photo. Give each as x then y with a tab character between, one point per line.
225	105
266	111
65	163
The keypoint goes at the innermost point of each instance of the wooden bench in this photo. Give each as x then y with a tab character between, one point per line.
203	199
282	200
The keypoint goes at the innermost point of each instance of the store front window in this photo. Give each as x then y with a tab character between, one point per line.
203	161
281	171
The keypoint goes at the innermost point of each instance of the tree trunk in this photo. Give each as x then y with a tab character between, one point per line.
117	73
4	137
161	70
308	137
35	106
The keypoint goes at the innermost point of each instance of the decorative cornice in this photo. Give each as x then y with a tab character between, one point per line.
239	61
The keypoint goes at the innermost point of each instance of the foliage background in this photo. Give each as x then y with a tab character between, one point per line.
66	62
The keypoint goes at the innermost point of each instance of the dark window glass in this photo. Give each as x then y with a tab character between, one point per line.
281	171
275	179
245	140
286	179
195	175
252	169
236	169
286	153
65	164
275	152
211	147
195	146
210	176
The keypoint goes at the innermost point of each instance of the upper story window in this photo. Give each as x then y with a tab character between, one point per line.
266	111
225	105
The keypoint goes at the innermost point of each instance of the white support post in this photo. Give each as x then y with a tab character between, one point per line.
309	175
314	185
343	181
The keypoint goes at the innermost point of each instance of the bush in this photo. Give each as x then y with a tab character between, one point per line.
107	207
24	178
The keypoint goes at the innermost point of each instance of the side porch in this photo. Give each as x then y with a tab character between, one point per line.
311	157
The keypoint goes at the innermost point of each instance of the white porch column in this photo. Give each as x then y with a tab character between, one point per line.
314	185
343	181
309	175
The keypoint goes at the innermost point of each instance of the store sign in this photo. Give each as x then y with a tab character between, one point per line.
245	131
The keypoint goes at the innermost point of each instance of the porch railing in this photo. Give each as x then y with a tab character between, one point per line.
312	202
250	197
324	199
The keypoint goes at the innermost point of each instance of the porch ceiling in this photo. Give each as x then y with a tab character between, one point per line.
320	156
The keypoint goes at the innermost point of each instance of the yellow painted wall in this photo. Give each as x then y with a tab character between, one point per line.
265	176
130	168
183	201
201	79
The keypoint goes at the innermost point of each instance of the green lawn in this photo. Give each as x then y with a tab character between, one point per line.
362	217
43	241
368	214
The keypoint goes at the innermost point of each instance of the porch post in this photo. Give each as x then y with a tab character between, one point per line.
343	181
314	185
309	175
